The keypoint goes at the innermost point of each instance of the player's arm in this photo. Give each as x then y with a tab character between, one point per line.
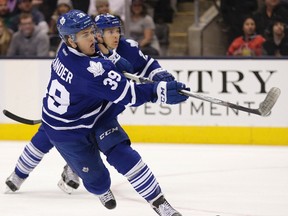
113	86
121	63
144	65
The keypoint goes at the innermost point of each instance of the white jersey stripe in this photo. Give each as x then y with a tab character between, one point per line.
80	126
146	67
69	121
133	93
122	96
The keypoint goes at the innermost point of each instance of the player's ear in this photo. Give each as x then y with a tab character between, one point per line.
71	42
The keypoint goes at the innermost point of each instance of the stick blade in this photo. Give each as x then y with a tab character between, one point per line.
270	100
20	119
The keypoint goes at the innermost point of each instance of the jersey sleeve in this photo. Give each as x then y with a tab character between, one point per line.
143	65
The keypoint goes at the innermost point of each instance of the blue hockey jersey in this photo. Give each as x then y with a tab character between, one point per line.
83	91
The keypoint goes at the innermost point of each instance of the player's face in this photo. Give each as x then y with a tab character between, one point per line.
85	40
111	37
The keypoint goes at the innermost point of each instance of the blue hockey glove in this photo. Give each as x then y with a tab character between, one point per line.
168	92
121	63
162	76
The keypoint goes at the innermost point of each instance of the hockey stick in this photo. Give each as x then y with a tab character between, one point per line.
264	109
20	119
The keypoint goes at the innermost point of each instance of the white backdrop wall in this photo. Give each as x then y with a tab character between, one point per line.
243	81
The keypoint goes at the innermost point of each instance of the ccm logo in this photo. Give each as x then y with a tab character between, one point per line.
163	95
106	133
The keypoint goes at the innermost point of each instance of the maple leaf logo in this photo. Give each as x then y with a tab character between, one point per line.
62	21
132	43
96	68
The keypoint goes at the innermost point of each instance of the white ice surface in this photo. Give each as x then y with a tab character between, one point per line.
198	180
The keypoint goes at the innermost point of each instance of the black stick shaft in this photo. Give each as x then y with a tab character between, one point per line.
20	119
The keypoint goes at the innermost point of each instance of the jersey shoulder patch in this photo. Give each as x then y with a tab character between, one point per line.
132	43
96	68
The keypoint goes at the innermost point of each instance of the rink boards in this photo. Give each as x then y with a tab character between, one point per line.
242	81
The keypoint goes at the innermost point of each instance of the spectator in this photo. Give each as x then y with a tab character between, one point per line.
173	4
115	7
36	3
82	5
5	38
162	31
271	10
249	44
12	6
26	6
233	13
284	3
164	11
142	29
103	7
63	6
118	7
277	42
47	7
29	40
4	12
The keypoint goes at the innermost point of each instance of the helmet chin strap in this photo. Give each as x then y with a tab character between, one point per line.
105	44
77	48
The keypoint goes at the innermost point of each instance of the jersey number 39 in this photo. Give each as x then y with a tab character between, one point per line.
112	80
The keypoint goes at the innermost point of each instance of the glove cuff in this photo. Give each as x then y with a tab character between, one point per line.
113	56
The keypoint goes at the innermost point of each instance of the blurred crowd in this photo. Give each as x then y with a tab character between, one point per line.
28	27
254	27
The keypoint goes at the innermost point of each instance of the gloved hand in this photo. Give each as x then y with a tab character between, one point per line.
121	63
168	92
162	76
124	66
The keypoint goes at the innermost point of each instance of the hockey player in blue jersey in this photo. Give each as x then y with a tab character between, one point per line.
108	31
84	97
39	145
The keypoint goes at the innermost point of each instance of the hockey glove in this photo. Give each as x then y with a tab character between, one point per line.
121	63
161	76
168	92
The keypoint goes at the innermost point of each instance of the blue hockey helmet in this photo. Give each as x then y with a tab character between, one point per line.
72	22
104	21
